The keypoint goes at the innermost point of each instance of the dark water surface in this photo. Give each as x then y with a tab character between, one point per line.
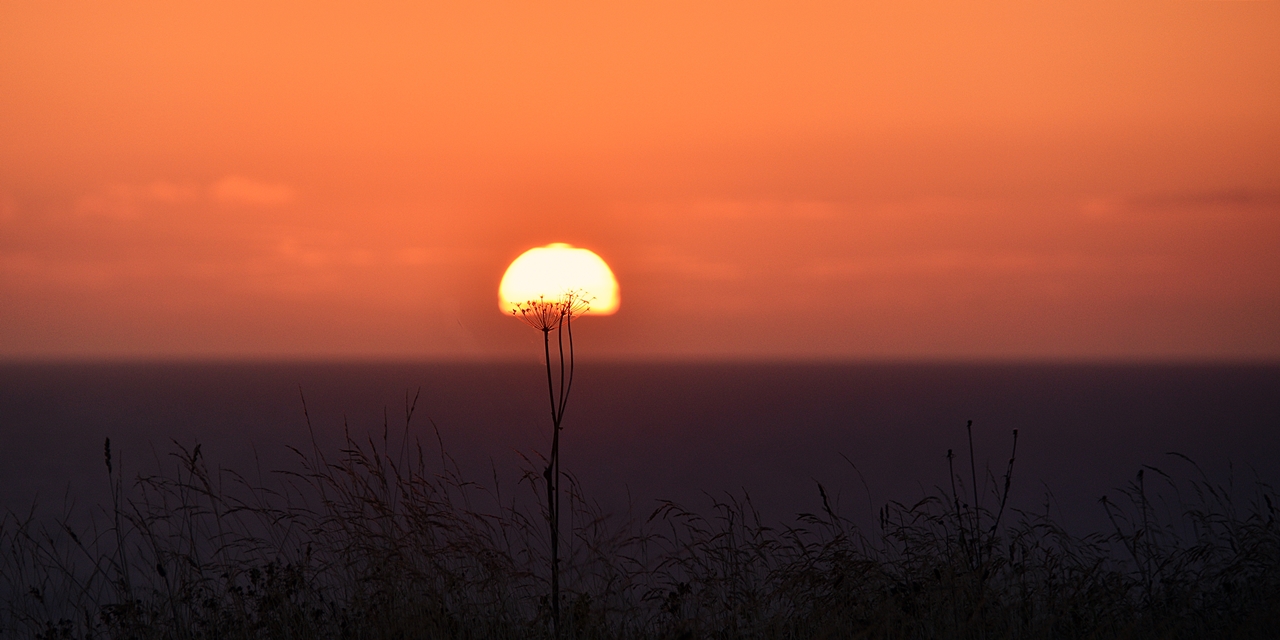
661	430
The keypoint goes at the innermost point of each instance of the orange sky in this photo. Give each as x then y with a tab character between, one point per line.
931	180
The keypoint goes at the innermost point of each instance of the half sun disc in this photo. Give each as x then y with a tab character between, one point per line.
549	272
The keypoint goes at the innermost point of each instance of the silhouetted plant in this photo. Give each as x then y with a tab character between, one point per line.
547	316
382	540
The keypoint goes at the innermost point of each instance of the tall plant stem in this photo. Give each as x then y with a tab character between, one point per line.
552	476
551	390
543	316
564	389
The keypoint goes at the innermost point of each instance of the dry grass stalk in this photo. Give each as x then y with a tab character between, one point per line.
387	540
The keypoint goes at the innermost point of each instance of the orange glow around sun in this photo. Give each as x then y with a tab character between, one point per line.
826	181
550	272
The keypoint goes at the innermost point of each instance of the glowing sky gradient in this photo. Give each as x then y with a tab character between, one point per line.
931	180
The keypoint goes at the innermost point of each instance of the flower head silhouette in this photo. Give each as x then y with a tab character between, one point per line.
540	314
546	315
575	303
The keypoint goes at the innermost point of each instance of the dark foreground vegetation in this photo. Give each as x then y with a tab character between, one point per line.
382	540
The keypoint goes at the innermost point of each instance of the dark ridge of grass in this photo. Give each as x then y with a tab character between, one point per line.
389	540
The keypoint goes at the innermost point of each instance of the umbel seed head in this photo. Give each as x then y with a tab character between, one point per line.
545	315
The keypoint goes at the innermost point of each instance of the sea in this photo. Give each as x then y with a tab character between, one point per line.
637	434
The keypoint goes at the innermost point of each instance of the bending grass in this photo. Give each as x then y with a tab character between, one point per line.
379	540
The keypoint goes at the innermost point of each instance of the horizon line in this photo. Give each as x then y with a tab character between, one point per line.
746	359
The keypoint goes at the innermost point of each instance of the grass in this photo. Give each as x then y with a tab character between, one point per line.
387	539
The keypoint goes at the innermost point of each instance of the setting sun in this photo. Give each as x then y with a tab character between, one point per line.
551	271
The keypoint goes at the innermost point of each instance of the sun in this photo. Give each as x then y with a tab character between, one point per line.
558	268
